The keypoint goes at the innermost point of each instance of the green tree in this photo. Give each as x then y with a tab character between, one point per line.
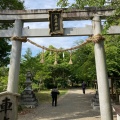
112	48
28	63
59	72
82	69
3	78
93	5
4	42
81	3
84	63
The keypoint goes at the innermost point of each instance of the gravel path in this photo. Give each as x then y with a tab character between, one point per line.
72	106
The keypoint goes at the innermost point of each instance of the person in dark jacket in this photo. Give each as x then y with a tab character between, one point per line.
54	94
83	87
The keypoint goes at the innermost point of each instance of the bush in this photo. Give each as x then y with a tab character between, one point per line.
1	88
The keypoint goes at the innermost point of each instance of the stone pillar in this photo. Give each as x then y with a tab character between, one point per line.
118	117
8	106
15	59
102	79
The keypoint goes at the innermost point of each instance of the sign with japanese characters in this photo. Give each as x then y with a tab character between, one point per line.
55	25
8	106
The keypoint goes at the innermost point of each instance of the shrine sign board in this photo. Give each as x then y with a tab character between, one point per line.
55	22
8	106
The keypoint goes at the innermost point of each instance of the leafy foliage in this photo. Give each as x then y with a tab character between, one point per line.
4	42
3	78
4	52
93	5
11	4
81	3
113	55
82	69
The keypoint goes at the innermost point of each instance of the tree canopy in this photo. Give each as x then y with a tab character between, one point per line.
62	74
94	5
4	42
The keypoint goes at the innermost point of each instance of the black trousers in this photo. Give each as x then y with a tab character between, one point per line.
83	90
54	101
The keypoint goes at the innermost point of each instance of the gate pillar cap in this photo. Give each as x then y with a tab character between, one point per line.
9	93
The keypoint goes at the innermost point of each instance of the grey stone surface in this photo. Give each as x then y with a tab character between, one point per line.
101	71
40	15
15	57
8	106
72	106
26	98
44	32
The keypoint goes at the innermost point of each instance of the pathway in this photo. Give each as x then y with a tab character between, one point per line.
72	106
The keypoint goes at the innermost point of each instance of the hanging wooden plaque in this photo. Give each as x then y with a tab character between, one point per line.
55	22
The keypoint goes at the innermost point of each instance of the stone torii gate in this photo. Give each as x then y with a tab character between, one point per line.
18	17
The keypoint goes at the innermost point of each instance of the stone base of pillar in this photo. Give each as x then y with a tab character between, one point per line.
95	101
118	117
116	108
28	99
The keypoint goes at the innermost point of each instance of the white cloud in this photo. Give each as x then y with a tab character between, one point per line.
36	25
80	23
40	4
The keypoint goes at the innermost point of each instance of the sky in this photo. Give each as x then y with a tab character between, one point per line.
58	42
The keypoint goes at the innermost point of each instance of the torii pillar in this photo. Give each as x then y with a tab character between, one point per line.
102	78
15	57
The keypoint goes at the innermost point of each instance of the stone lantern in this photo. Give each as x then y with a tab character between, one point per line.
28	81
28	98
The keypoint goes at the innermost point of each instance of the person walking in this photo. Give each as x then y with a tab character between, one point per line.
54	94
83	87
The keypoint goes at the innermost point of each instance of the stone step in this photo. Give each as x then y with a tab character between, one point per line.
28	100
29	103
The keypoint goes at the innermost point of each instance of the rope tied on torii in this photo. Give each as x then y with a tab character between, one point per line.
95	39
16	38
